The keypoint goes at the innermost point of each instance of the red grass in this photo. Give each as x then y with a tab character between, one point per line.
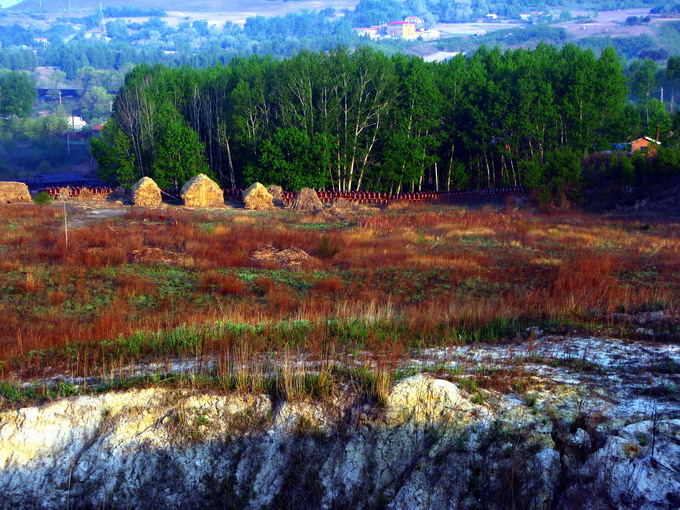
225	284
331	285
435	270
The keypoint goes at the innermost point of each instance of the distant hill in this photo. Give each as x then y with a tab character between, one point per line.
79	5
256	6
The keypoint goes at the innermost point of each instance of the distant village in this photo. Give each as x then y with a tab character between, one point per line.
411	28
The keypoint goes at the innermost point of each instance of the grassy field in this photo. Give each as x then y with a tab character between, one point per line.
153	289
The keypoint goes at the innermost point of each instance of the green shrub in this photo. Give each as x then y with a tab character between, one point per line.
42	198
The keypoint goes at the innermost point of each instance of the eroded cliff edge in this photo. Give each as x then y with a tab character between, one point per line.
427	446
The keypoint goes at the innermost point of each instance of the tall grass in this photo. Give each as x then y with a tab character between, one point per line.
154	287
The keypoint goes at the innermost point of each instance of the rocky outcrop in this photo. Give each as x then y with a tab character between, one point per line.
639	467
14	193
145	192
202	191
427	446
257	198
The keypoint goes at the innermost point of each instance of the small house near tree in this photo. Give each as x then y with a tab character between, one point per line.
645	145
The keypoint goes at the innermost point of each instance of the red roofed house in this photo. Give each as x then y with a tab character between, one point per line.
645	144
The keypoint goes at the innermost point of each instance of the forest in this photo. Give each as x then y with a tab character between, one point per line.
363	120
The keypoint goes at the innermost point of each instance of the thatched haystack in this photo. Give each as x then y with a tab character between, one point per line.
14	192
277	193
258	198
202	191
146	192
307	200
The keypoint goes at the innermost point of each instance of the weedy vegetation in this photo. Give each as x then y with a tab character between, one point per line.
159	292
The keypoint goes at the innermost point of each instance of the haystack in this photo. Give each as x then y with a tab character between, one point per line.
277	193
258	198
307	200
14	192
146	192
202	191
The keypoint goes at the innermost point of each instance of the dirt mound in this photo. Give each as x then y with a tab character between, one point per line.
343	207
258	198
290	257
119	195
307	200
202	191
146	192
14	192
277	193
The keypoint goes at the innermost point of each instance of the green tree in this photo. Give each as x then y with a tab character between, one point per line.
643	81
289	158
57	123
96	102
114	156
180	154
17	94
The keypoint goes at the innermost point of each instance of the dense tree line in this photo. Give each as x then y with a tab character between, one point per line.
364	121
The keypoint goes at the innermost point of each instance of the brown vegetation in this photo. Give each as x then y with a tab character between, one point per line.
381	286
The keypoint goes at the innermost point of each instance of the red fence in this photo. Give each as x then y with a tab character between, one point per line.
377	198
329	196
77	191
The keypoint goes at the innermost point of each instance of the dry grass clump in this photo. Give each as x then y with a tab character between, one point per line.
225	284
384	284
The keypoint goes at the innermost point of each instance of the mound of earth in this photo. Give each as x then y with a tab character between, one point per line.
257	198
343	207
202	191
307	200
289	257
146	192
14	192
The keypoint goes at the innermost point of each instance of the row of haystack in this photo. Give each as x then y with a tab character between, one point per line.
259	198
199	191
